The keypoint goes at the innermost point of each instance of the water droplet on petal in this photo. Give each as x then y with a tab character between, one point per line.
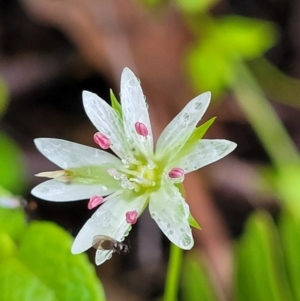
198	105
186	117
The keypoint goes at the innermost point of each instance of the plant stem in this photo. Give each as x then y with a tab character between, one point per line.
173	274
263	119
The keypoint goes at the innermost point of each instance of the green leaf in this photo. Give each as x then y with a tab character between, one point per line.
289	230
12	167
12	222
115	104
259	269
195	6
208	68
285	182
196	285
4	97
245	37
45	257
17	282
7	246
222	44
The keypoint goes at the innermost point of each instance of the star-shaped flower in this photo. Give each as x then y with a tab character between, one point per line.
138	176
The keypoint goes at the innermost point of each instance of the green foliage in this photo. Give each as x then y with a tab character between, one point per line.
12	222
195	281
260	273
222	44
289	230
12	168
36	263
3	97
285	182
267	265
195	6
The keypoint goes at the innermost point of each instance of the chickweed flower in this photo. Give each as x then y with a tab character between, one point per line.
123	185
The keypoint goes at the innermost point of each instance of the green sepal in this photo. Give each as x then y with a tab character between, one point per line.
193	223
195	137
200	131
115	104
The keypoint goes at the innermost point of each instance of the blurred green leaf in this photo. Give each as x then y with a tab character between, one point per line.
289	230
222	44
12	167
245	37
259	268
12	222
195	6
196	285
284	182
19	283
43	268
7	246
277	85
4	97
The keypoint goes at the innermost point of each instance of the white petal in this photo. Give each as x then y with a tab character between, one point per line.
107	121
206	152
177	132
108	220
68	155
134	109
170	211
56	191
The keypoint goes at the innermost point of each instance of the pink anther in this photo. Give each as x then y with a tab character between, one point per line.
141	129
95	201
102	140
176	172
131	217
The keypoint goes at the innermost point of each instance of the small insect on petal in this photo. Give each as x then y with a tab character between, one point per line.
141	129
176	172
131	217
102	140
95	201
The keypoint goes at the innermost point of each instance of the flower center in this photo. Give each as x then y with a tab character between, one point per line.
136	174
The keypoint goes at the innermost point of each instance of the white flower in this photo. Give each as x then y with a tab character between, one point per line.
138	176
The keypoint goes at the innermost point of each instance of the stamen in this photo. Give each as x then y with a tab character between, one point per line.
151	164
102	140
176	173
141	129
131	217
95	201
64	176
